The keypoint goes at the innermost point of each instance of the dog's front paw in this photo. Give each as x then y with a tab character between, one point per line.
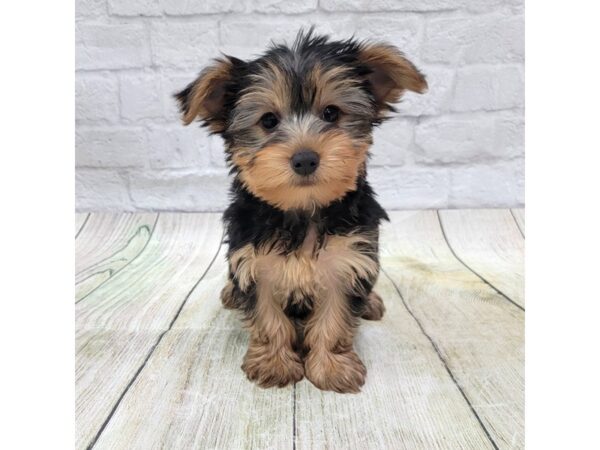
269	369
375	308
339	372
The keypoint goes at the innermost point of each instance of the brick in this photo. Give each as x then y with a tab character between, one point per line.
184	44
182	8
410	187
217	152
110	147
392	141
135	7
172	83
281	6
339	26
402	32
488	88
247	36
101	190
176	146
482	6
179	191
418	5
141	96
474	39
96	98
484	186
104	46
459	145
390	5
509	135
448	140
436	100
90	8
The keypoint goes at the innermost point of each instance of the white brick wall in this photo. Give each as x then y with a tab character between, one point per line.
460	145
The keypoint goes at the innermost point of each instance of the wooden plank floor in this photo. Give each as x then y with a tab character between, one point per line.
158	360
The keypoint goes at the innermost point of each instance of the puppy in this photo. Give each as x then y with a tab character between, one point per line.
302	226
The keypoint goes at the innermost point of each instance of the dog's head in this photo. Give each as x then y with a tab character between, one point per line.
298	120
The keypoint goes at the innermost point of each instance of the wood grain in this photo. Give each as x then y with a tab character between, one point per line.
199	395
112	242
408	401
158	359
124	317
519	215
476	331
146	294
489	243
107	236
80	219
104	365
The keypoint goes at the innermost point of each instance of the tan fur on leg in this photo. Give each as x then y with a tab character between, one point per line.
270	366
227	296
270	359
329	276
374	307
331	363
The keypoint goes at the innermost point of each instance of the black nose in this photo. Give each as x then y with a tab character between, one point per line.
305	162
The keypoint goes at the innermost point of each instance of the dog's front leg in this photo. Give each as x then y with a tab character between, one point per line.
331	362
252	288
271	359
346	269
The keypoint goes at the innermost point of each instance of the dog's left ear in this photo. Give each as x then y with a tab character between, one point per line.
391	74
205	98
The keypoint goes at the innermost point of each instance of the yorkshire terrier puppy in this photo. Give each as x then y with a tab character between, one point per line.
303	223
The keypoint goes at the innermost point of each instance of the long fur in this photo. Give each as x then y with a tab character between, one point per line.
303	249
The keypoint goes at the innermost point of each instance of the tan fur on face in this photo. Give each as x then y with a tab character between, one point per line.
269	176
329	275
262	157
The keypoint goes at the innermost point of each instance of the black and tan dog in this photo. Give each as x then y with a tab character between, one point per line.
303	223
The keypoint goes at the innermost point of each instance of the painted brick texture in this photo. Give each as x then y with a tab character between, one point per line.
459	145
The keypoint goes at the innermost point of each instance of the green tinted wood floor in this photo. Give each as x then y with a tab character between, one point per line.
158	359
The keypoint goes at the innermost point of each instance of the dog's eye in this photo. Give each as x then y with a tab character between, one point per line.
269	121
331	113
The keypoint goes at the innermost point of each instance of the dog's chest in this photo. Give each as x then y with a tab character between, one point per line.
320	263
296	274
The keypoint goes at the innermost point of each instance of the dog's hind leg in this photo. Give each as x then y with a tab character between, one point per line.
374	307
227	297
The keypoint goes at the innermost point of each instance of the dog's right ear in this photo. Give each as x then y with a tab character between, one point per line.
206	97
